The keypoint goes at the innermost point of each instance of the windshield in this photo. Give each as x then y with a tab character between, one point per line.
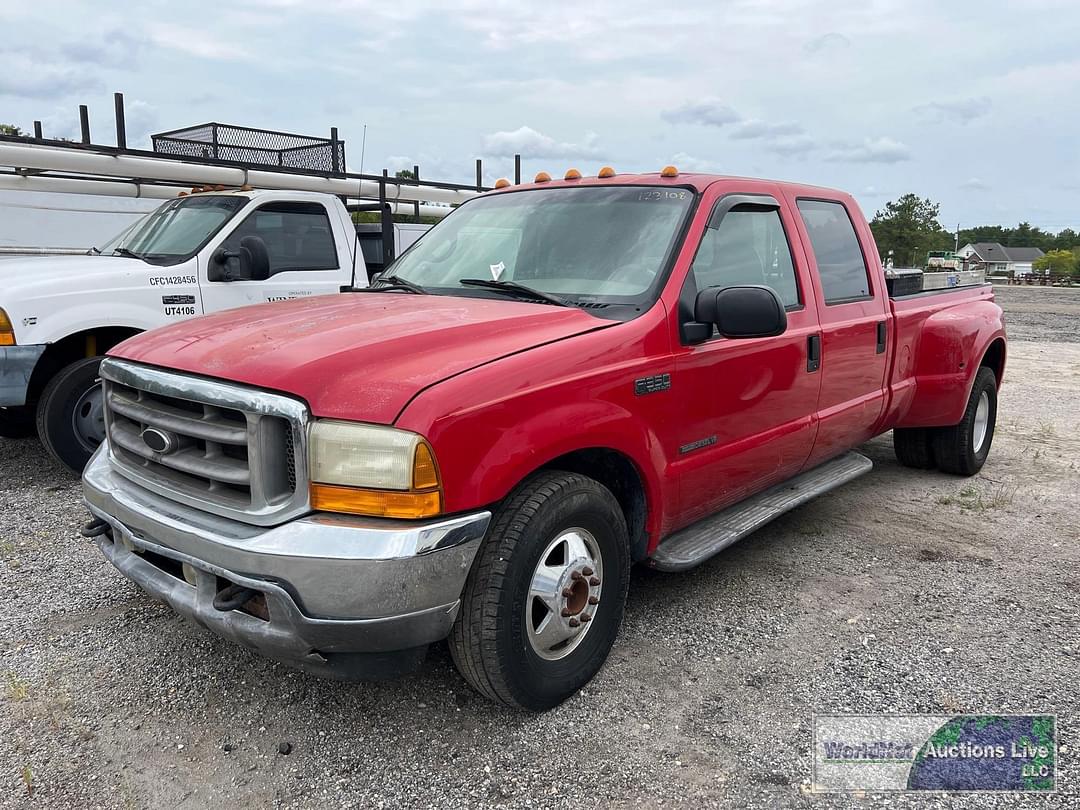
595	243
176	230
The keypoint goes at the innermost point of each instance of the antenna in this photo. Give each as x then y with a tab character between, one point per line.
363	146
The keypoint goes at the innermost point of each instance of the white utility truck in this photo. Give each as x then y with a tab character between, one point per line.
198	253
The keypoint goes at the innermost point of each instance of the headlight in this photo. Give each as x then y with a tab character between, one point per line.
7	331
372	470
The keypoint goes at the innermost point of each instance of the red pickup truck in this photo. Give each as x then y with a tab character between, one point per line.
559	380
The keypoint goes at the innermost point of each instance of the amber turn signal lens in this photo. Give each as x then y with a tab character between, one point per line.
541	177
606	172
376	502
669	171
502	182
425	474
572	174
7	332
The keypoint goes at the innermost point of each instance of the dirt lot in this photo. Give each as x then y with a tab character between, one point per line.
903	592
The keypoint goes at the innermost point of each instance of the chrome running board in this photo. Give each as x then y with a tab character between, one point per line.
697	543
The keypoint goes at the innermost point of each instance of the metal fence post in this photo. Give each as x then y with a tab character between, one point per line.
333	150
37	130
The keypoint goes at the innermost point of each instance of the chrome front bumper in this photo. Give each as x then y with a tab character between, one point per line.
340	592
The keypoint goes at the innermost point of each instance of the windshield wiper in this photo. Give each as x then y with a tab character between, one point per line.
398	283
123	251
514	289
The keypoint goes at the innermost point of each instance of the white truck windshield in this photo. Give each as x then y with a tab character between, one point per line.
609	243
176	230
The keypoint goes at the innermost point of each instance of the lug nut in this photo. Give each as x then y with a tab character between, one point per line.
567	593
576	576
575	623
585	617
587	571
594	600
566	613
594	581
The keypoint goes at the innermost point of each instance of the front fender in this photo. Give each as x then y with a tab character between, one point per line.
950	348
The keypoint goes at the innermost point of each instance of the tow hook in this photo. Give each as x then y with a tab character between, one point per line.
95	528
233	597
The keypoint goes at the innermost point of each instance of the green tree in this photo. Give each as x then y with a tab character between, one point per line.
1057	261
405	174
909	227
11	129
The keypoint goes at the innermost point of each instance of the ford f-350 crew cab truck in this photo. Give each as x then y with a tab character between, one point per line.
191	256
559	380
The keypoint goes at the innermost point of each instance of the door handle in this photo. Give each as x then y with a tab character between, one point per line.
813	352
882	331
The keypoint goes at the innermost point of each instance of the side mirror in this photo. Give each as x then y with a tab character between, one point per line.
742	312
249	262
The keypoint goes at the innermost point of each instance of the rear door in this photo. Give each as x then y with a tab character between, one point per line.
304	256
852	311
746	417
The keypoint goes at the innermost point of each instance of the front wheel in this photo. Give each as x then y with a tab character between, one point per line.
545	598
962	448
71	414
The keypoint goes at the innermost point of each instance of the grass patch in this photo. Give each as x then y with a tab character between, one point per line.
17	689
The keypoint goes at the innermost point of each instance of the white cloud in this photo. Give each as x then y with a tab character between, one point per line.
529	143
196	42
827	42
974	184
754	128
30	75
871	150
707	112
962	110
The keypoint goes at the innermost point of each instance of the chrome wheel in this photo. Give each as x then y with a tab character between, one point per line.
88	418
564	594
982	421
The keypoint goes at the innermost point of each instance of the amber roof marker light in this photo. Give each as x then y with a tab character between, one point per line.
572	174
542	177
502	182
669	171
605	173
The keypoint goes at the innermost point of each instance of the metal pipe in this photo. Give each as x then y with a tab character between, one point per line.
517	169
125	166
132	188
479	175
37	130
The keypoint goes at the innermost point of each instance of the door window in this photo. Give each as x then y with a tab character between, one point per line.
748	247
297	236
841	266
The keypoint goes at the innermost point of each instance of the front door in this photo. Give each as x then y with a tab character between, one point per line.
303	256
851	310
748	405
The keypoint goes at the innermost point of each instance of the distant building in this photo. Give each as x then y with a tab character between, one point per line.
1000	260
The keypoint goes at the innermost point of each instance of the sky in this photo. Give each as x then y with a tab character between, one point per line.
972	104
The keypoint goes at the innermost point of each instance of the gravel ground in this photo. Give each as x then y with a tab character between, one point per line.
903	592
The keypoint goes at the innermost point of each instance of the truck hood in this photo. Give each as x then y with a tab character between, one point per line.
359	356
24	273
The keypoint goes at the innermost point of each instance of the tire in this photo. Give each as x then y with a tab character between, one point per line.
958	449
69	416
548	519
914	447
16	423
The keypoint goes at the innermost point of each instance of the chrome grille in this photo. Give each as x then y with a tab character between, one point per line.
231	450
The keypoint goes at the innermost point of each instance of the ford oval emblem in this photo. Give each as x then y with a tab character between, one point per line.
160	441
